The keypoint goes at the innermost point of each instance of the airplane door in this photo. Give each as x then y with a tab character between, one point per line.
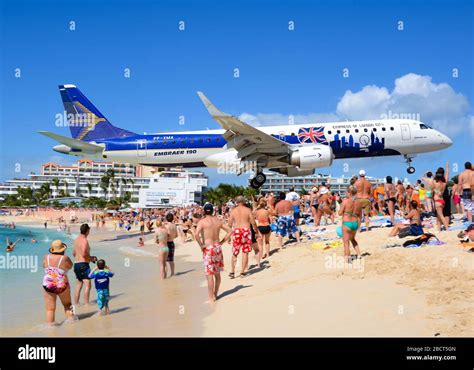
141	148
406	135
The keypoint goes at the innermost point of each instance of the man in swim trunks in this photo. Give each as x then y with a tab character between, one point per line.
466	180
286	224
364	188
207	236
81	253
172	235
240	219
295	200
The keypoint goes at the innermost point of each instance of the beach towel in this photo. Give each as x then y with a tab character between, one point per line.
424	238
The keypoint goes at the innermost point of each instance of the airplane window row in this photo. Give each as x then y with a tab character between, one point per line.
357	130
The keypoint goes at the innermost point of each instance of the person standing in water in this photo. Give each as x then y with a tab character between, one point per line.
11	245
172	235
207	236
161	238
55	282
81	253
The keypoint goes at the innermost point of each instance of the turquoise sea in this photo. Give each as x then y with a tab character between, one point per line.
21	273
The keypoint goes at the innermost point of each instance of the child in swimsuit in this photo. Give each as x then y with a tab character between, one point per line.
101	275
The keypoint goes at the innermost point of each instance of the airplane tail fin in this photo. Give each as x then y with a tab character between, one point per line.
85	121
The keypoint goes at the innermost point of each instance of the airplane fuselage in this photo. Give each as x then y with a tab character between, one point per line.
355	139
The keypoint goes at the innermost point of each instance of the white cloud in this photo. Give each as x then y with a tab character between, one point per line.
413	95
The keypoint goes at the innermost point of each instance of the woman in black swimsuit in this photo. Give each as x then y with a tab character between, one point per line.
390	192
262	216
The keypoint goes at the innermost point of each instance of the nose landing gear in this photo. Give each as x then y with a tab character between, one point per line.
408	160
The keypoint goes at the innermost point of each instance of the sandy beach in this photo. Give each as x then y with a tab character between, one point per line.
299	291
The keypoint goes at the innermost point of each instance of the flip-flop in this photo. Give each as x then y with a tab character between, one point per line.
232	275
243	274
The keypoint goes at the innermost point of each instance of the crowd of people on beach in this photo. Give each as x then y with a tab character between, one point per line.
247	224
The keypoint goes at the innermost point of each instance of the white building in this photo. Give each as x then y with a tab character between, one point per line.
173	188
84	180
277	183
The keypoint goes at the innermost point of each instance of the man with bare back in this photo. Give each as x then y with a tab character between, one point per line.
466	181
241	219
207	236
82	269
172	235
364	189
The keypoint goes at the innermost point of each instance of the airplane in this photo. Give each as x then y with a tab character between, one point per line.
292	150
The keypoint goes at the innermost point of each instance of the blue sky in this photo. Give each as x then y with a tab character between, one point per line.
282	72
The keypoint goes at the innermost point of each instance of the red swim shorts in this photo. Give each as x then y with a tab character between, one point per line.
213	259
242	239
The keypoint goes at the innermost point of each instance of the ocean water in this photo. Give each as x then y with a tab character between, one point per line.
21	273
137	292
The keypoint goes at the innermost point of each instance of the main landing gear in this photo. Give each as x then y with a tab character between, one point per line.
410	168
259	179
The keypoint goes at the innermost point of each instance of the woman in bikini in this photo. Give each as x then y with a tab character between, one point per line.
390	193
262	216
324	208
415	221
161	238
55	281
314	205
439	185
429	192
351	212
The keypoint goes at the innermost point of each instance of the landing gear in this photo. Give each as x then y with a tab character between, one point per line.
410	168
259	179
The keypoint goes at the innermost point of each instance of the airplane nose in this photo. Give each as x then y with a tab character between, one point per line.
446	141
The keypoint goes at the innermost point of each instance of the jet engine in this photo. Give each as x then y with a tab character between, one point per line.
310	157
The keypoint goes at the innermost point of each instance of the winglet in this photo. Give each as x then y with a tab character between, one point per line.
211	108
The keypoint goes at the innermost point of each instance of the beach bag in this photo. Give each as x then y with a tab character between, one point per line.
420	240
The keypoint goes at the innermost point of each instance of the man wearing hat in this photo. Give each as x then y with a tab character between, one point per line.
364	189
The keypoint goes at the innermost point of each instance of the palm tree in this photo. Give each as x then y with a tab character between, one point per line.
132	183
104	184
123	183
65	188
89	187
56	183
45	190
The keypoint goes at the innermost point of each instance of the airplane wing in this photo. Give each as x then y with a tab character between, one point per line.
251	143
74	143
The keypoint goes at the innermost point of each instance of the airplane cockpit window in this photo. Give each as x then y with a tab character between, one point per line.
424	127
